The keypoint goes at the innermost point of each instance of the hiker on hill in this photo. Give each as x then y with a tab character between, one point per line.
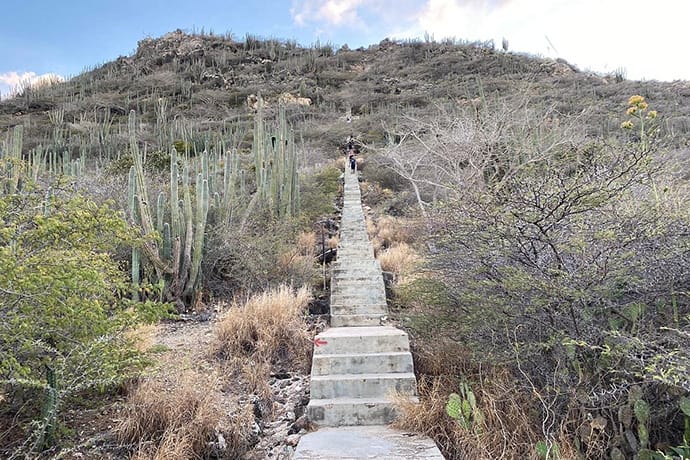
353	162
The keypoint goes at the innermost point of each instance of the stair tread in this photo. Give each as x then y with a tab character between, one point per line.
362	331
384	353
387	375
346	400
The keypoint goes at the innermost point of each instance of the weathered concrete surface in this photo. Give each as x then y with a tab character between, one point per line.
371	442
358	364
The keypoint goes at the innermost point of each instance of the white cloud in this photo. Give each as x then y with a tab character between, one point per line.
332	12
598	35
13	82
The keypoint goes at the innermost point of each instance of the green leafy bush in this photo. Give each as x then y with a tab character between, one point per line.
62	305
318	192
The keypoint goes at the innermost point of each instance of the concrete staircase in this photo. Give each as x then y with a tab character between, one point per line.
358	362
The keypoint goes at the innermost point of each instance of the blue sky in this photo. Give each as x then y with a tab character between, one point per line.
644	38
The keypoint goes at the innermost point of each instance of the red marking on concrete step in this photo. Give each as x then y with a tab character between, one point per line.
319	342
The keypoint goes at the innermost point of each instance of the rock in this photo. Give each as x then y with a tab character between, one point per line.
253	101
281	375
289	99
292	440
302	423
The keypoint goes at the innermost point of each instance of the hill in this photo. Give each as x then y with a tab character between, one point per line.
531	219
206	81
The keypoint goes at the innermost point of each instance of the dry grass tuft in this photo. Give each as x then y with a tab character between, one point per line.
298	265
143	337
306	244
399	259
269	327
508	430
391	230
255	375
183	420
340	163
429	417
371	228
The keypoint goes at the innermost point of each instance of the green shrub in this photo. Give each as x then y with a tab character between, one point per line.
568	263
62	304
318	192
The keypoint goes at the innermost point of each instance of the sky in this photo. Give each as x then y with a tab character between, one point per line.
642	38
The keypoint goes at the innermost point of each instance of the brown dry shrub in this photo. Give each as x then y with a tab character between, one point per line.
332	242
255	375
143	336
298	264
181	420
389	230
393	230
297	267
509	430
375	195
306	244
269	327
399	259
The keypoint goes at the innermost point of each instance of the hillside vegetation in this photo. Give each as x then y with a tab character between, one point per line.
533	218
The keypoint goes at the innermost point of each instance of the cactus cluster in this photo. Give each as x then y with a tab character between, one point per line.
38	162
463	408
174	248
209	185
634	418
275	164
202	186
11	156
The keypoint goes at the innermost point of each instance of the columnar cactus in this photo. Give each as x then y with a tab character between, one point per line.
176	238
275	161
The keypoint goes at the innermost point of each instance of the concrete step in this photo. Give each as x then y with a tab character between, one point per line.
352	320
365	442
361	288
377	339
362	363
356	268
354	237
371	278
377	310
352	294
362	385
354	248
355	273
351	411
356	276
353	243
354	307
358	256
363	285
